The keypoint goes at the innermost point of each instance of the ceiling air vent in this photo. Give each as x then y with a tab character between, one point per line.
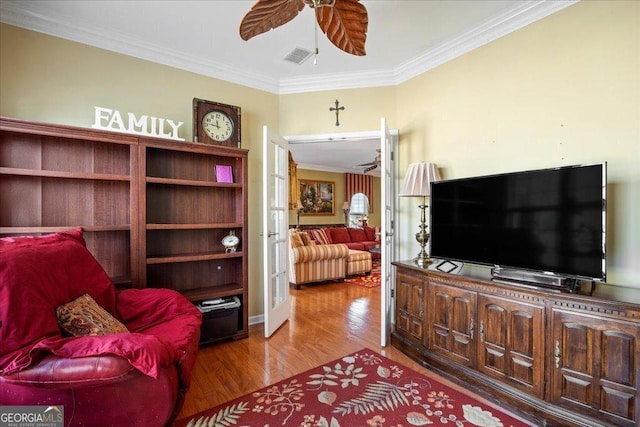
298	55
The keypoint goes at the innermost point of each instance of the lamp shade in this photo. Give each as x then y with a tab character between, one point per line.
417	181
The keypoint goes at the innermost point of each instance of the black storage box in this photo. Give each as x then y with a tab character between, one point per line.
219	320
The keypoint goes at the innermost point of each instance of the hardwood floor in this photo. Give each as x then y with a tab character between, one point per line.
327	321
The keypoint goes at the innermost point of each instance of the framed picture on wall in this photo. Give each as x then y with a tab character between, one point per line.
316	197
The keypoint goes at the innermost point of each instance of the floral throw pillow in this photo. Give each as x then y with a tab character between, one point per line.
83	316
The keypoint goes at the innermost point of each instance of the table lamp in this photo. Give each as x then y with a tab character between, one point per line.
417	183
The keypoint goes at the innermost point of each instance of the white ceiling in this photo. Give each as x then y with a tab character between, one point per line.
343	152
405	38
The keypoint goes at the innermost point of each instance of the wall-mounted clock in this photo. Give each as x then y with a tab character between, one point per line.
216	123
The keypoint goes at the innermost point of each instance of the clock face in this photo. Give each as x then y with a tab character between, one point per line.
230	242
217	125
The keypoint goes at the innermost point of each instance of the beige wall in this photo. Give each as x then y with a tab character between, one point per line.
561	91
48	79
308	113
557	92
338	217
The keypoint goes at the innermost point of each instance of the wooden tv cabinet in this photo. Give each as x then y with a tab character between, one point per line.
556	358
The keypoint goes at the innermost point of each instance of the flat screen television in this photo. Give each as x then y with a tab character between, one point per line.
550	222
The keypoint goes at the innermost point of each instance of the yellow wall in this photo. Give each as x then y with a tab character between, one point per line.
338	217
308	113
48	79
561	91
338	196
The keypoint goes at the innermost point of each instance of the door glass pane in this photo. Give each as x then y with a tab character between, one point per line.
274	257
278	191
282	255
273	221
282	163
277	224
277	253
279	290
273	189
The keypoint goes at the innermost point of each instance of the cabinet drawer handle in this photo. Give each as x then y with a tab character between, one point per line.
482	330
471	328
557	354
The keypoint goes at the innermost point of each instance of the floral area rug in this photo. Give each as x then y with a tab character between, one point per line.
361	389
367	280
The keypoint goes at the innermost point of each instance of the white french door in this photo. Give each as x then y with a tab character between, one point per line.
387	239
275	231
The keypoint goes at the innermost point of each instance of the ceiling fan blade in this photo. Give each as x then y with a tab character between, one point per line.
368	164
268	14
369	169
345	24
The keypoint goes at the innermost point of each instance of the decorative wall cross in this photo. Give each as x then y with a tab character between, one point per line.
337	110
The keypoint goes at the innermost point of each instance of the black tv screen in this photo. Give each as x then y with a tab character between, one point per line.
551	220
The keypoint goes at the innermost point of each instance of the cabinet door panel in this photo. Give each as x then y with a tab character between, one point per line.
511	342
524	358
595	363
617	347
522	369
417	329
402	321
416	300
494	335
578	342
410	307
452	323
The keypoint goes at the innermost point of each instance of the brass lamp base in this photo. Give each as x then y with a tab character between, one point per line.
423	260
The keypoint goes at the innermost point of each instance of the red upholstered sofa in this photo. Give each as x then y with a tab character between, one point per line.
361	239
134	378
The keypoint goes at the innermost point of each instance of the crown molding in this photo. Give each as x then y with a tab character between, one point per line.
336	81
508	22
14	14
493	29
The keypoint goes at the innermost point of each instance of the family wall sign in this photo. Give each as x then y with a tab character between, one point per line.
108	119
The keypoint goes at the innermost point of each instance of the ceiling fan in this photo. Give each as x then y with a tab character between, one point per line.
371	165
344	22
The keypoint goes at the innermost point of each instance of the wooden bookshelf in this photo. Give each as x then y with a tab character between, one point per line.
152	210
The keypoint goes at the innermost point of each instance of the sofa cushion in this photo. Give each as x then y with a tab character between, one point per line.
296	239
320	236
319	252
306	239
358	246
370	232
339	235
357	234
370	245
83	316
